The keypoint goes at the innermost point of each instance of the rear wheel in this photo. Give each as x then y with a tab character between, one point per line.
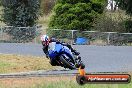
67	62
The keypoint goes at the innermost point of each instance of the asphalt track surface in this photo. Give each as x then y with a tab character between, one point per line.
96	58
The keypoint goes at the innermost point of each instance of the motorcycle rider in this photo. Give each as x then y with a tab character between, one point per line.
46	45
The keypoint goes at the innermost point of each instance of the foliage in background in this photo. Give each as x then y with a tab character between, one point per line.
111	22
0	3
128	25
127	6
21	35
47	6
76	14
21	13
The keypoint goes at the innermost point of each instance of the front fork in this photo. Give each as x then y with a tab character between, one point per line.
77	61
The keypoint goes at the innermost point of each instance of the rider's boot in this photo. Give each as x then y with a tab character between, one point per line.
75	52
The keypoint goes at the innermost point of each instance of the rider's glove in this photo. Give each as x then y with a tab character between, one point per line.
76	53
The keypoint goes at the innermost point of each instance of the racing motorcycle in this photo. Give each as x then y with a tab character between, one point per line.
64	57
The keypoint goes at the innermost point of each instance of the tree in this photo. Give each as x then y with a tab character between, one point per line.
107	24
76	14
127	6
47	6
128	26
21	13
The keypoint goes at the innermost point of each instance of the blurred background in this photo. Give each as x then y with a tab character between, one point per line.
111	27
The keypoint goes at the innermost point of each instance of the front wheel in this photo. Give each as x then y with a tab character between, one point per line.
67	62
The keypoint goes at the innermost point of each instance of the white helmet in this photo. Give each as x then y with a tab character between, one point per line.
44	38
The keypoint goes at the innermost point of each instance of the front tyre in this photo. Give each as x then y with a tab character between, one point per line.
80	64
67	62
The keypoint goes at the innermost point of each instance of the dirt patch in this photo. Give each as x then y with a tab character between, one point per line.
18	63
29	82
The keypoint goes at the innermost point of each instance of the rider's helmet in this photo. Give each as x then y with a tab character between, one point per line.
45	40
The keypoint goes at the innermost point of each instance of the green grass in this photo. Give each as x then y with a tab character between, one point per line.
4	64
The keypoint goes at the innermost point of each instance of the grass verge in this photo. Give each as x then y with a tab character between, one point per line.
18	63
54	82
